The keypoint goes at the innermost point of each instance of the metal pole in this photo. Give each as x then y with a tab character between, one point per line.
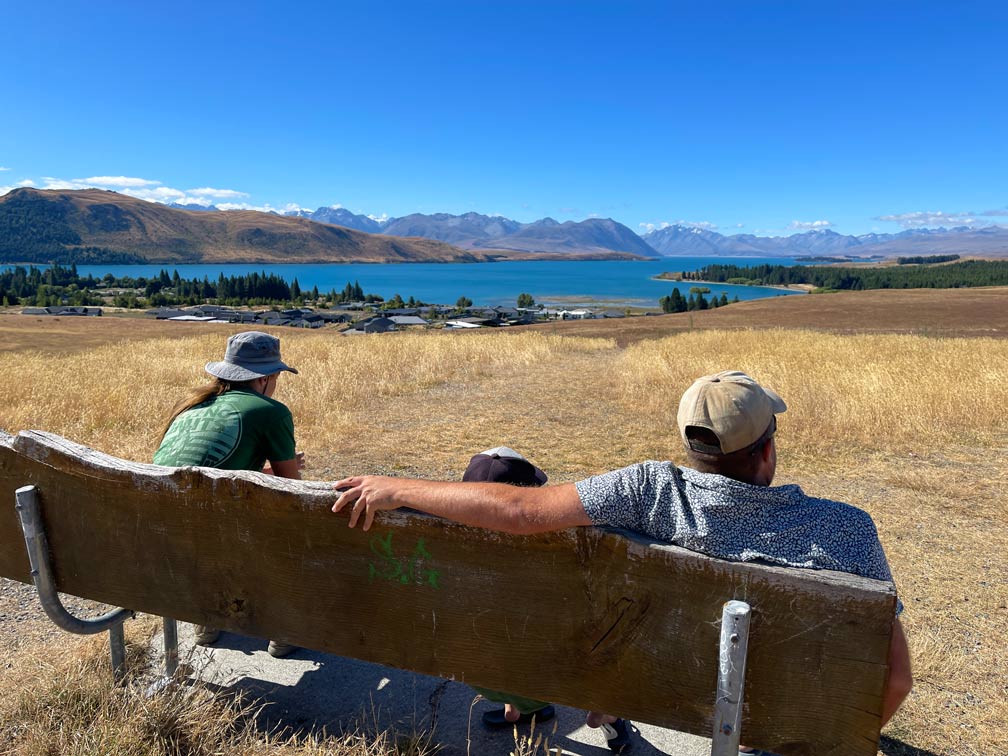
731	678
117	647
42	575
170	646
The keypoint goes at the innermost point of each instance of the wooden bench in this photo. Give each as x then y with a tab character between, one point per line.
588	617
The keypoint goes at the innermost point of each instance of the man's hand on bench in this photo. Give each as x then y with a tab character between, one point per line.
368	494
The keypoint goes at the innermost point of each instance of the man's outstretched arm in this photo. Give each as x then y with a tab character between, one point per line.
495	506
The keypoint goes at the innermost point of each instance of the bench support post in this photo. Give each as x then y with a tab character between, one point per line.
41	573
731	678
170	646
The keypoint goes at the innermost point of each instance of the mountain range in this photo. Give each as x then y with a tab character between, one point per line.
595	237
476	231
94	225
99	226
688	240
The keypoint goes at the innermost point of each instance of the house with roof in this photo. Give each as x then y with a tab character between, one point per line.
461	324
372	325
334	316
576	314
64	310
408	320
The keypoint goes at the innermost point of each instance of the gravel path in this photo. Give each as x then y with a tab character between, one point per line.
24	623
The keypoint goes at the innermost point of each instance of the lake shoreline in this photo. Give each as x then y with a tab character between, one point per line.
595	283
793	288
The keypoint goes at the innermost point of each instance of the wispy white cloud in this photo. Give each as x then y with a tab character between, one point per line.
151	190
3	168
212	193
49	182
19	185
117	181
740	225
166	195
267	208
703	225
924	218
809	225
337	206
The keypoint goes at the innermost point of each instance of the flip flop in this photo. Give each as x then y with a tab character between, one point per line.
494	719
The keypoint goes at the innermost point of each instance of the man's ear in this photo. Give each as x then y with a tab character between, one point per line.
768	449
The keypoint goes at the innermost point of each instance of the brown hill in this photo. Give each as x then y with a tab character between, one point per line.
968	312
94	225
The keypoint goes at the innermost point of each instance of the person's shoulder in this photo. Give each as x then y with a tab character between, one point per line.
649	468
850	514
251	401
631	477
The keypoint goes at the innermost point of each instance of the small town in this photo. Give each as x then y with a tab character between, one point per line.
354	319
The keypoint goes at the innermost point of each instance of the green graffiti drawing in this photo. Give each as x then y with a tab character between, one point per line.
402	569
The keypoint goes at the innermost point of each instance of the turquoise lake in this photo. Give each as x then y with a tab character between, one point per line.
570	283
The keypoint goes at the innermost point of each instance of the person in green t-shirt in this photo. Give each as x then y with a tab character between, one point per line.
234	423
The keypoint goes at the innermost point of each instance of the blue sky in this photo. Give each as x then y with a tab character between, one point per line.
748	117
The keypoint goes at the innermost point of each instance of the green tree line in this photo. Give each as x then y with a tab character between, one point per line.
57	284
956	275
676	302
926	259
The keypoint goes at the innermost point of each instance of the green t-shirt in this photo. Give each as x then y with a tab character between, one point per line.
238	430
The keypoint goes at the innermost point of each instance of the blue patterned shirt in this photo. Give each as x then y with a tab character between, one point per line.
737	521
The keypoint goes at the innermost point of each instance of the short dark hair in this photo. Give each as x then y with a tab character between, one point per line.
741	465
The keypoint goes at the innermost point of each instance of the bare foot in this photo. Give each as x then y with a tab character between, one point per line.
511	714
597	719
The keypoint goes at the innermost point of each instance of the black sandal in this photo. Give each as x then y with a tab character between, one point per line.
617	735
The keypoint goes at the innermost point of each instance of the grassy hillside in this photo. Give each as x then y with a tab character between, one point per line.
908	426
93	225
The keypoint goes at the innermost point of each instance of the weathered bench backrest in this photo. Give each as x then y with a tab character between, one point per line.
588	617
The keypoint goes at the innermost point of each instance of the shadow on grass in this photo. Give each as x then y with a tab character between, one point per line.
893	747
311	692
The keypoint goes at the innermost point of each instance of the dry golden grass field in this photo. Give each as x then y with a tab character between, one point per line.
896	404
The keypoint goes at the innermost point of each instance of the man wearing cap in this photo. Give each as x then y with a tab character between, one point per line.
234	423
722	504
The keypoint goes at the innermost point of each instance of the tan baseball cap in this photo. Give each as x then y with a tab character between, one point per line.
731	405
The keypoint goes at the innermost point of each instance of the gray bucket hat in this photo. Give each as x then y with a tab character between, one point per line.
249	355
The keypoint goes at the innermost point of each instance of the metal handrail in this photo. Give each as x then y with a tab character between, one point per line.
42	575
